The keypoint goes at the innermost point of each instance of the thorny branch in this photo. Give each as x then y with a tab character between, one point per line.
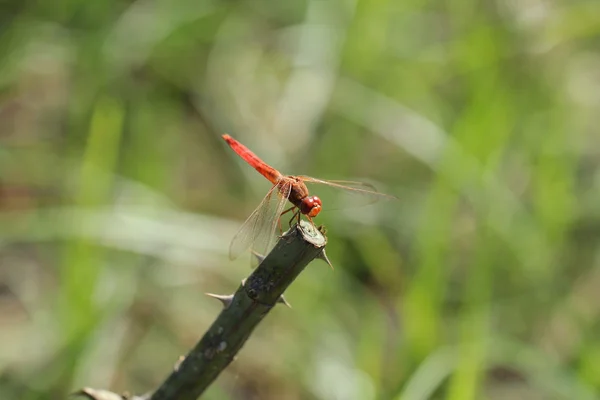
242	312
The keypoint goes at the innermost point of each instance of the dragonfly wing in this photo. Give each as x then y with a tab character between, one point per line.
361	193
264	237
258	230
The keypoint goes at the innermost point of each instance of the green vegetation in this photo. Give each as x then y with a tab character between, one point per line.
118	197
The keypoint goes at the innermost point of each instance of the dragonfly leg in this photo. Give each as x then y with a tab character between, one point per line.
288	210
280	215
296	214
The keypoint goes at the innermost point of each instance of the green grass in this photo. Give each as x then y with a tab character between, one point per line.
118	198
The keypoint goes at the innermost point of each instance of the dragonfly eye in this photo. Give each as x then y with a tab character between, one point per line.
311	206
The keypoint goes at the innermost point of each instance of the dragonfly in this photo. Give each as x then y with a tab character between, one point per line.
258	231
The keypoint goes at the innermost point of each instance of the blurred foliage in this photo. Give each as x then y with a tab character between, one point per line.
118	197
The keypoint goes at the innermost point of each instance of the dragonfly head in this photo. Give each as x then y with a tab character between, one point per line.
311	206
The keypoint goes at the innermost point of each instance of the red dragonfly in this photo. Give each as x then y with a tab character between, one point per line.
258	231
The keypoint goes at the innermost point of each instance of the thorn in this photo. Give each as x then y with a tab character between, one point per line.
282	300
178	363
226	299
97	394
323	256
259	257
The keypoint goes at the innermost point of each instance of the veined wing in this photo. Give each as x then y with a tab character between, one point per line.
362	193
258	231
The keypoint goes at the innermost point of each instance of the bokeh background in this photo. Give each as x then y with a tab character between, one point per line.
118	198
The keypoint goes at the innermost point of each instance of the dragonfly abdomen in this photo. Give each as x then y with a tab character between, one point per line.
247	155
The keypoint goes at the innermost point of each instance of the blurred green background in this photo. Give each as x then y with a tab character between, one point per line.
118	198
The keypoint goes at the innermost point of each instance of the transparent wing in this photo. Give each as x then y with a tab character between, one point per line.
359	193
258	232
